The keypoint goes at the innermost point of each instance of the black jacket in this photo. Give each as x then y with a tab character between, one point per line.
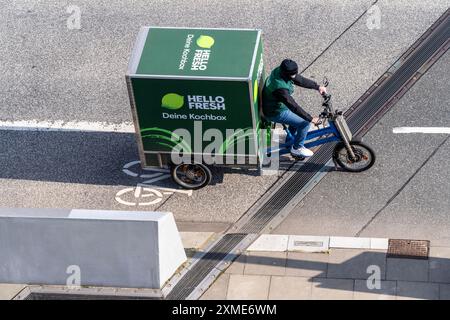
283	96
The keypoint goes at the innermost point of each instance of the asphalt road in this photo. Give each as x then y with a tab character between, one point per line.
405	195
52	73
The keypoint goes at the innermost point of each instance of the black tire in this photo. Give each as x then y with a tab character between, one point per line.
365	157
191	176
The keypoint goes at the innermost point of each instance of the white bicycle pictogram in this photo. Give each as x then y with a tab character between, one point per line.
146	194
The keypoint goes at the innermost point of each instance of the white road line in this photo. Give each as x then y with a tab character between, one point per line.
421	130
59	125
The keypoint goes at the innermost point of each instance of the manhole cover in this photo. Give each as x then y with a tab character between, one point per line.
413	249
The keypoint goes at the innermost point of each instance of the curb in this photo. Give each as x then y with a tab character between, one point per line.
273	242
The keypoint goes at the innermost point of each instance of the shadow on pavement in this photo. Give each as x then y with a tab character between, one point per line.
91	158
72	157
360	268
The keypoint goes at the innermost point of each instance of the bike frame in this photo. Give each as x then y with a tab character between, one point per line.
332	130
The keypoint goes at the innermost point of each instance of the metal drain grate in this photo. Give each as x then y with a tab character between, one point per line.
67	296
58	292
288	191
201	269
411	249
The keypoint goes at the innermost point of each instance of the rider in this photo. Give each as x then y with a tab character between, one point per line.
280	107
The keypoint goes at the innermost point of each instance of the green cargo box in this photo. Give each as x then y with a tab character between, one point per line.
197	79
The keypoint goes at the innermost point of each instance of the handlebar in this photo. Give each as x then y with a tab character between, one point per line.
326	96
326	101
328	109
327	104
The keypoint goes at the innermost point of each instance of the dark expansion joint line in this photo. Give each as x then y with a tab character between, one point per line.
338	37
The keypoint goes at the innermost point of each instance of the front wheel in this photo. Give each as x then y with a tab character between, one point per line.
363	160
191	176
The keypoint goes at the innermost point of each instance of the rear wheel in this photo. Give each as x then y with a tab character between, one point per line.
191	176
363	160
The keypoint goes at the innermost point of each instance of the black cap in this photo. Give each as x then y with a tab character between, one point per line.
289	67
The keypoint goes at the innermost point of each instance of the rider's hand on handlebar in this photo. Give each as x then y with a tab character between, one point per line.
322	90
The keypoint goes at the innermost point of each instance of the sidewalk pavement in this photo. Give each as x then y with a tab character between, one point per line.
312	267
347	269
9	291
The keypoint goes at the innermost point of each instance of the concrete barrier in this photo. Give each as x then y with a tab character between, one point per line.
89	247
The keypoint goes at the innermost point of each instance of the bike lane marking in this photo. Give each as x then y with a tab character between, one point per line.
146	189
157	171
138	193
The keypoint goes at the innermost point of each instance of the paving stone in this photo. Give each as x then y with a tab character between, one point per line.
440	243
304	264
387	291
270	242
238	265
290	288
444	292
9	290
354	263
408	290
195	240
266	263
440	264
407	269
248	287
218	290
332	289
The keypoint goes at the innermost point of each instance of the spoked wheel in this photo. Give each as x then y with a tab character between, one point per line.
191	176
363	160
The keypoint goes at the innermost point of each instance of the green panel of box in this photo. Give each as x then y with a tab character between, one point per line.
193	80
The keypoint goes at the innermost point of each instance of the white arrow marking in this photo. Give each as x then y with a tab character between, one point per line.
152	172
421	130
171	190
148	182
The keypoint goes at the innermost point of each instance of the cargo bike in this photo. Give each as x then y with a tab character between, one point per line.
197	93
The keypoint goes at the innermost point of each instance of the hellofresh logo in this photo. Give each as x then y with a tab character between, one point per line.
201	56
172	101
205	42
